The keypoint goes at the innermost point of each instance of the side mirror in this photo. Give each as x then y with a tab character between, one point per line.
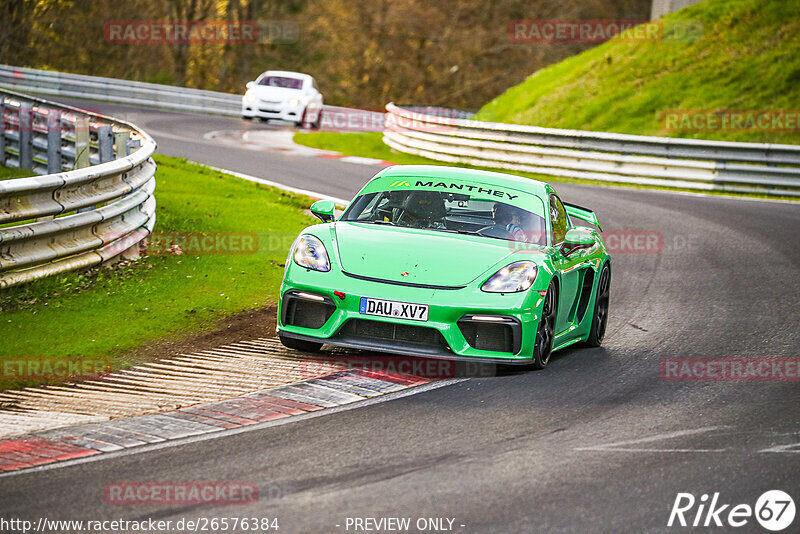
576	239
250	85
324	210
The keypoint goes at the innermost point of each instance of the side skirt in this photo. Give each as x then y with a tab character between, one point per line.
564	344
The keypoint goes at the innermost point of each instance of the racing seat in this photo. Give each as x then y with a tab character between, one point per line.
393	208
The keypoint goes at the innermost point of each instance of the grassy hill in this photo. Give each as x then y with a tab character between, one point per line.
716	55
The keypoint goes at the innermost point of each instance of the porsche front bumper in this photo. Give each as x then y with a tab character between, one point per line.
463	323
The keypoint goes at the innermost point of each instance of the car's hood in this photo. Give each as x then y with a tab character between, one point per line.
429	257
275	94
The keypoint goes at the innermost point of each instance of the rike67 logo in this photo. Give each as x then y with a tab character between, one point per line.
774	510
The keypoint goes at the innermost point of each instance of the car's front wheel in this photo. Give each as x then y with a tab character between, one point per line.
300	344
546	331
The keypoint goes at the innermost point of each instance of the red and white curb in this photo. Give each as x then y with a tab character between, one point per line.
300	398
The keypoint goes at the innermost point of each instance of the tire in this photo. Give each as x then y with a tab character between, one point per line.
245	117
543	344
600	314
302	121
300	344
318	122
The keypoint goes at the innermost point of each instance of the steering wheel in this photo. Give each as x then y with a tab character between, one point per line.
419	222
495	231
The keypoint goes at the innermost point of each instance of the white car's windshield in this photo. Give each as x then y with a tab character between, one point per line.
281	81
446	211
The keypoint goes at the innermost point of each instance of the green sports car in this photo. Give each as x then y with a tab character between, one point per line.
444	262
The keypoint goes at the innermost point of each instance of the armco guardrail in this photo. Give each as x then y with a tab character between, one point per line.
152	95
685	163
121	91
93	201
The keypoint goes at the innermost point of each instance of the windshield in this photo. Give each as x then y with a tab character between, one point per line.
449	212
281	81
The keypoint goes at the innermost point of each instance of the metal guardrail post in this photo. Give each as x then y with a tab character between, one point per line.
2	130
132	144
105	143
25	135
82	139
83	149
53	141
121	144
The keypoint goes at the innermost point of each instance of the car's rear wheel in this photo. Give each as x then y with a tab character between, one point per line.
546	331
300	344
600	317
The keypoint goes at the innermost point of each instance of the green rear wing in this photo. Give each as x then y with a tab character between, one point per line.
583	214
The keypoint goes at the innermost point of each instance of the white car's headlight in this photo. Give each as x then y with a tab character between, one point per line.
512	278
311	254
249	96
294	102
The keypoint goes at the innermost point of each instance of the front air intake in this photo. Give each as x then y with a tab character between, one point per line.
495	333
304	312
403	333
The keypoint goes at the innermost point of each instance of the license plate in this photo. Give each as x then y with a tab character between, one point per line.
390	308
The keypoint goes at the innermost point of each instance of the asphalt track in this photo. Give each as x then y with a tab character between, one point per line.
598	442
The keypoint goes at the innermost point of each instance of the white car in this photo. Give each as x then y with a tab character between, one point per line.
288	96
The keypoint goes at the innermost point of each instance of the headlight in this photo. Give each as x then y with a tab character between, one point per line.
512	278
311	254
249	96
294	102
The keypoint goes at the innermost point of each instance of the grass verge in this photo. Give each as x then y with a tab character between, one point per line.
7	173
110	313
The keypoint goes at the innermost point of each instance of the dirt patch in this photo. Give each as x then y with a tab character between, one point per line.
243	326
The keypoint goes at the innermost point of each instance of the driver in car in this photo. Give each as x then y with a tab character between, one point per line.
423	209
509	218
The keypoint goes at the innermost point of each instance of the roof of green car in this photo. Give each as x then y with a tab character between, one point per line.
457	173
